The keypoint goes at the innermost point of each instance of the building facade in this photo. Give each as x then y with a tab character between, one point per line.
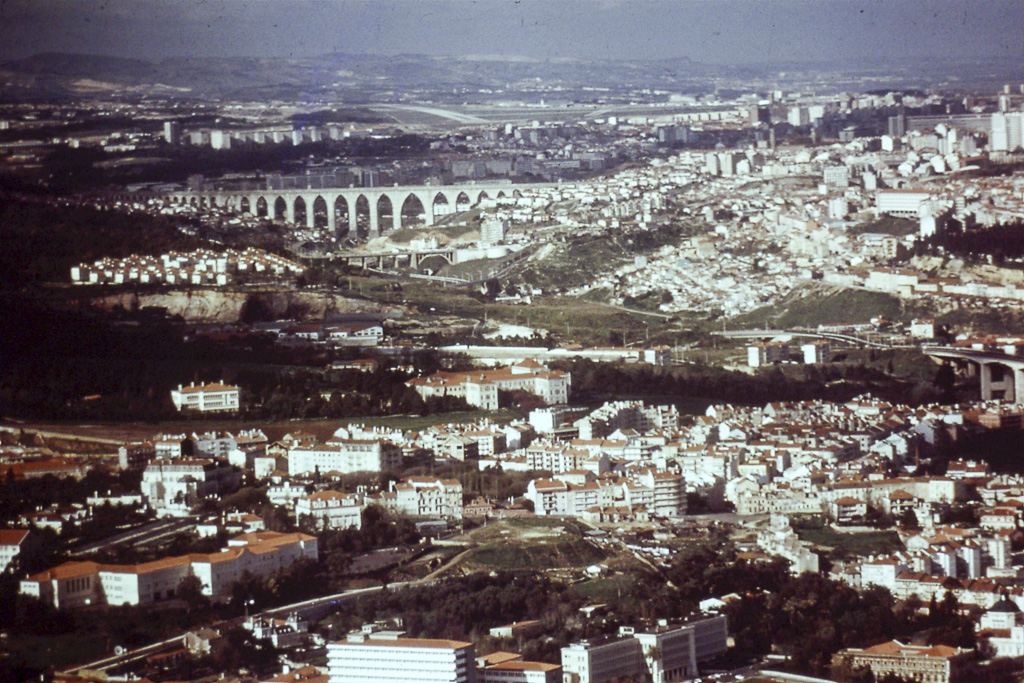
205	398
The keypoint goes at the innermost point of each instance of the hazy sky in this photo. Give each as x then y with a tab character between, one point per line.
722	31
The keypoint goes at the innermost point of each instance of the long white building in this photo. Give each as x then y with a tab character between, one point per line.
78	584
480	387
387	657
345	456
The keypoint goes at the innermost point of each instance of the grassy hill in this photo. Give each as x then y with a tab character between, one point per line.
538	543
821	304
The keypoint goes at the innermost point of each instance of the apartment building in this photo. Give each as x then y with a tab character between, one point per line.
330	510
387	656
664	653
181	483
427	497
344	456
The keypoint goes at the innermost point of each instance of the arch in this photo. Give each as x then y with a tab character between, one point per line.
480	196
320	219
362	210
341	210
261	208
212	202
413	212
501	193
517	194
193	201
244	206
385	214
440	205
280	209
299	217
462	202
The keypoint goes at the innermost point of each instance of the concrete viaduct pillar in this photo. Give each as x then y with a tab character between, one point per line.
374	227
310	213
1010	385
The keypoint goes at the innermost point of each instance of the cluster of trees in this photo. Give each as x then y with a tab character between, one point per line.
597	381
42	241
106	371
1001	242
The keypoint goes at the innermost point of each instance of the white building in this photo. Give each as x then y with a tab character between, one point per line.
426	497
388	657
480	387
817	352
903	203
344	456
205	398
666	653
179	484
76	584
330	510
12	542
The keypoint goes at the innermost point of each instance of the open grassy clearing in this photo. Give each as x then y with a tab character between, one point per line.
536	543
857	543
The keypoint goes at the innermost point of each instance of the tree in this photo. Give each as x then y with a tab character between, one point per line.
190	590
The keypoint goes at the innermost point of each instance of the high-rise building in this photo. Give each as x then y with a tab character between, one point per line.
897	125
172	132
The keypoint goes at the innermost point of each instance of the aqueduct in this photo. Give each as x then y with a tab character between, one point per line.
327	206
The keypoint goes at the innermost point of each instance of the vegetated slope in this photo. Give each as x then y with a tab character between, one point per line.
532	544
41	242
818	304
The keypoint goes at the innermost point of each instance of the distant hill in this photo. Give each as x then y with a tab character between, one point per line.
360	78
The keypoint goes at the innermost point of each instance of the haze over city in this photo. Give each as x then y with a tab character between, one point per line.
729	32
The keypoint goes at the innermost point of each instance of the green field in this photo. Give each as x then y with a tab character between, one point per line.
886	225
605	589
859	543
532	543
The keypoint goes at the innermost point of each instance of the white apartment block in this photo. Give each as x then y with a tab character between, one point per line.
426	497
182	482
77	584
205	398
12	542
902	203
344	456
665	653
330	510
388	657
480	387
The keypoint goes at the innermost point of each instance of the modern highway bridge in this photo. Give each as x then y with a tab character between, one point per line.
833	336
1002	374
